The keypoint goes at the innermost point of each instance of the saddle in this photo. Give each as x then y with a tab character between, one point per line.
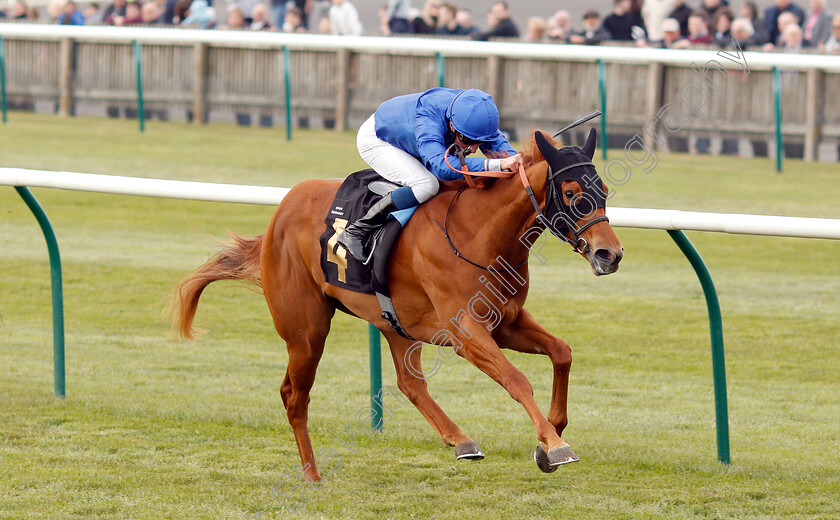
358	192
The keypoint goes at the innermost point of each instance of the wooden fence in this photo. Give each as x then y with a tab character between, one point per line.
340	87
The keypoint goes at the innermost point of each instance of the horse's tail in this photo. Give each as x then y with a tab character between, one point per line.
237	261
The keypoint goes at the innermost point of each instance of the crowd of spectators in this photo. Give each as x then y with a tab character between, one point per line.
673	24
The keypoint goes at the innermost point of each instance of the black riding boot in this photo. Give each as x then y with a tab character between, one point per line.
354	237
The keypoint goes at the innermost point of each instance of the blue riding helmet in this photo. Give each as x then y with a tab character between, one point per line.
474	114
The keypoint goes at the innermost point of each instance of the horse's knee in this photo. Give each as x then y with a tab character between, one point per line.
561	355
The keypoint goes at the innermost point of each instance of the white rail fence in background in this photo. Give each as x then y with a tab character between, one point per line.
663	219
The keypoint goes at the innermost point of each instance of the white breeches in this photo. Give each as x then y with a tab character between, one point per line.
394	164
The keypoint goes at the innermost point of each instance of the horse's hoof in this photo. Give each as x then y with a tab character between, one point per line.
541	458
468	450
549	462
561	455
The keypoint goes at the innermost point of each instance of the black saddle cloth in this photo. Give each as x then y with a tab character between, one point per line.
358	192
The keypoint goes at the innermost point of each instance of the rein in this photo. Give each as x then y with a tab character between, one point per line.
444	228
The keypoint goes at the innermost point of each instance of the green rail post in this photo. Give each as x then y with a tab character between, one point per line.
141	112
288	91
3	78
777	103
716	330
375	343
57	292
602	89
441	69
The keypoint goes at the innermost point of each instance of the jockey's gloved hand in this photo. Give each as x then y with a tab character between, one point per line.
511	163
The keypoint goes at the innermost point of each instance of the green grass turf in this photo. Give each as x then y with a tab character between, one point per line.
157	428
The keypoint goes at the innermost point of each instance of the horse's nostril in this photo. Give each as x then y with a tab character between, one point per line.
604	255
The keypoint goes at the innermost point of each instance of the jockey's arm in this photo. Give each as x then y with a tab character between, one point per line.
432	150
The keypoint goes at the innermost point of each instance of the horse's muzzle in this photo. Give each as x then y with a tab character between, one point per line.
605	261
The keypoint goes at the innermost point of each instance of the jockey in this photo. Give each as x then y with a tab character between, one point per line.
406	140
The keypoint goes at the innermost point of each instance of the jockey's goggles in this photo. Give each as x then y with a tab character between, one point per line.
466	140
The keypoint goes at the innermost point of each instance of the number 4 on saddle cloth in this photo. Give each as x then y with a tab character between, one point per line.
358	192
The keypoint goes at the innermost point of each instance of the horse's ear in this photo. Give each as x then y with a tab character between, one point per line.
548	151
589	146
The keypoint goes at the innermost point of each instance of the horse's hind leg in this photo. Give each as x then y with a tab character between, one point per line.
413	385
303	321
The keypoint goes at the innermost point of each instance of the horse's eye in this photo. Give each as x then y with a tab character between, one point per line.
569	194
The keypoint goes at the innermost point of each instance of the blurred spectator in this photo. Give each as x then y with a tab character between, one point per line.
247	9
426	23
537	28
71	15
501	26
150	13
793	41
2	13
168	14
303	9
723	26
397	15
771	17
19	11
743	32
785	19
278	12
199	14
681	13
698	31
560	26
749	10
93	15
817	27
593	33
711	7
55	9
344	19
384	26
318	9
180	11
464	19
620	23
833	43
260	21
235	19
324	25
447	25
116	9
132	15
671	34
293	20
654	13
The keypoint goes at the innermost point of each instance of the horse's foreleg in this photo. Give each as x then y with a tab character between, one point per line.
412	383
481	350
526	335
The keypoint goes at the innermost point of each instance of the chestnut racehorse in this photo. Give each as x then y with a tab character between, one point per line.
430	286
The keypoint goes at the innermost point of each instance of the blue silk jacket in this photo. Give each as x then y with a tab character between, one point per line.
417	124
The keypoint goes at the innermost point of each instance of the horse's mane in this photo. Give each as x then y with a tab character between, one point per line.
531	152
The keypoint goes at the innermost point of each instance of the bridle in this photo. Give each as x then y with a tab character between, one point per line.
558	211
